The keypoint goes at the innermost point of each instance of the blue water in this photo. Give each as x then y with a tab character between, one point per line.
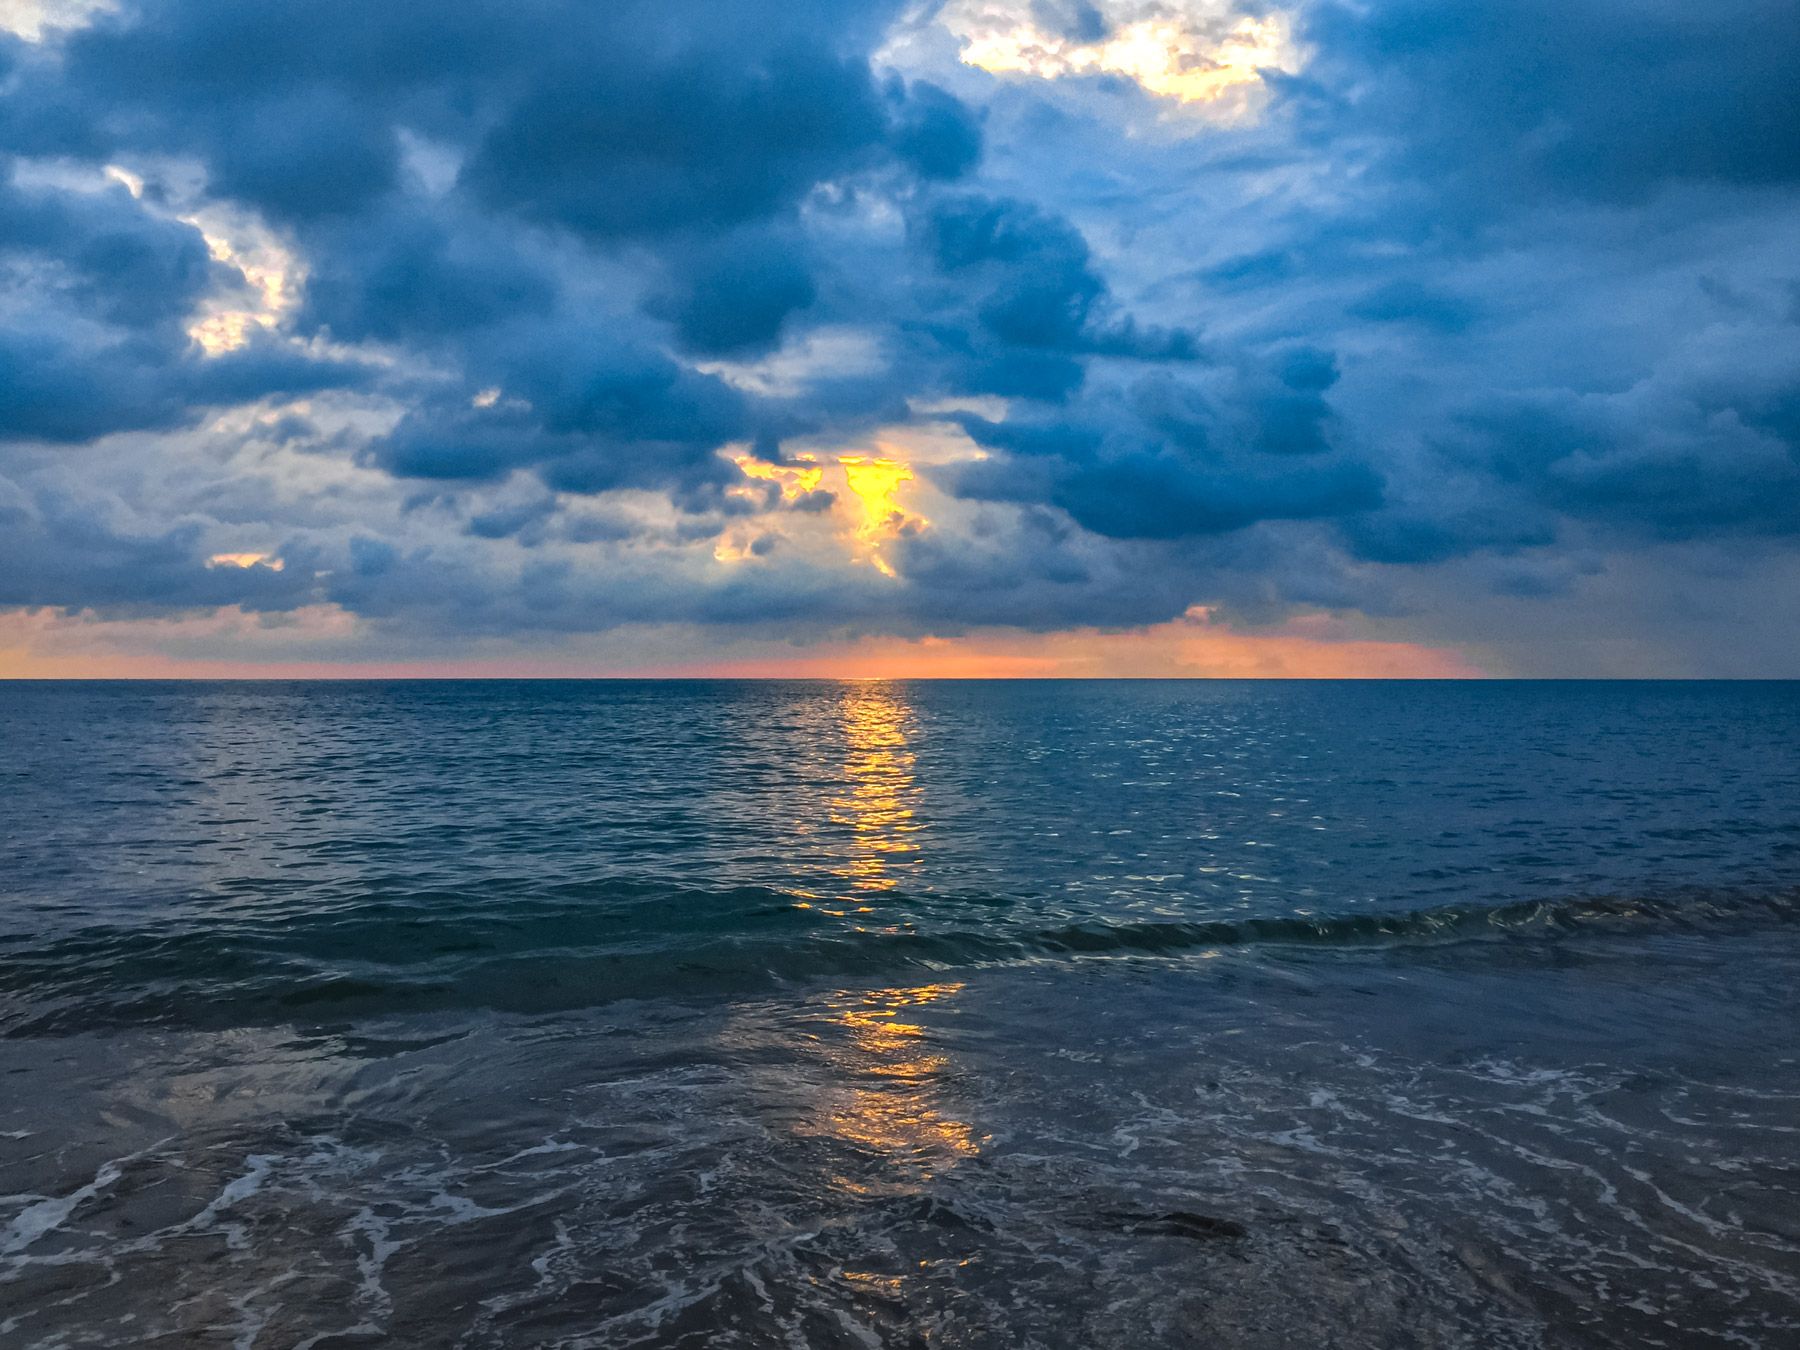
1034	1014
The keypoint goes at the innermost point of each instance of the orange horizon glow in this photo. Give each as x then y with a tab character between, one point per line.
43	646
1152	653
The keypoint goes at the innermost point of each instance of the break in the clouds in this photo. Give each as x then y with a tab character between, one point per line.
420	329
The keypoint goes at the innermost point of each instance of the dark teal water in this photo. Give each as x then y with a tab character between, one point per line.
971	1014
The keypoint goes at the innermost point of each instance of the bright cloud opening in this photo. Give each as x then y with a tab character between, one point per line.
29	18
875	480
267	560
796	480
273	273
1194	54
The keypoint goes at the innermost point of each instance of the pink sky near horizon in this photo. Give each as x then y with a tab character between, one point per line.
232	645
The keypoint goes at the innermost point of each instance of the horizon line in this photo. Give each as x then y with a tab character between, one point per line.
899	679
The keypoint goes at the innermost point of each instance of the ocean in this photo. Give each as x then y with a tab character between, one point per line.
971	1014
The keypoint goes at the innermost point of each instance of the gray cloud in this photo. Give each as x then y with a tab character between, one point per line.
1487	298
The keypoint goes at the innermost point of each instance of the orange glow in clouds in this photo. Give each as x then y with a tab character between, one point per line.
795	480
875	480
274	564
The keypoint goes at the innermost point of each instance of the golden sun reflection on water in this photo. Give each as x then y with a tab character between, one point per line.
876	802
889	1101
888	1074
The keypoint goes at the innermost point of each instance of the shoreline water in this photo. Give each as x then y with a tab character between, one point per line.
1083	1017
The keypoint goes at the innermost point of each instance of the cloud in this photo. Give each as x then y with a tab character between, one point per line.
1595	99
587	413
1196	53
523	321
58	547
731	295
413	275
619	149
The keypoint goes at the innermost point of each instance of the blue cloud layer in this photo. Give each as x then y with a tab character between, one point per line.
1488	301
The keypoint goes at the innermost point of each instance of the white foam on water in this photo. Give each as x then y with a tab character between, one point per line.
372	1264
50	1214
536	1151
234	1192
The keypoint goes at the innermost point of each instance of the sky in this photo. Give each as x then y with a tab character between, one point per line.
856	338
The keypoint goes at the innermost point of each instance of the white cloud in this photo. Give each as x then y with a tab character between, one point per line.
1202	54
29	18
823	354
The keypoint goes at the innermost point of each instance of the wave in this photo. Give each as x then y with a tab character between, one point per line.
577	946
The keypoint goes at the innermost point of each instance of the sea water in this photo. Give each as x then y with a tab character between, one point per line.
975	1014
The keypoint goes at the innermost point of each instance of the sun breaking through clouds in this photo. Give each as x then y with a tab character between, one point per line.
459	336
1198	54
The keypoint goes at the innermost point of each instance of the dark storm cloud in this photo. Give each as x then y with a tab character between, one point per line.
1604	99
1179	453
615	121
1035	288
1139	486
732	294
934	132
1413	302
106	256
709	139
1656	461
586	413
1494	141
408	274
1523	275
97	289
623	121
59	548
65	386
469	183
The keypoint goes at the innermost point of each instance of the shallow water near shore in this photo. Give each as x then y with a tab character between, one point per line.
815	1014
